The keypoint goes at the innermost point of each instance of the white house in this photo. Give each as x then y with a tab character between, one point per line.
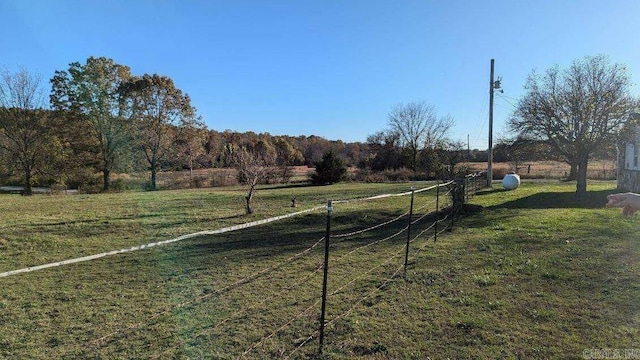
629	162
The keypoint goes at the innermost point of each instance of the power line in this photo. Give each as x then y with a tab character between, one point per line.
507	101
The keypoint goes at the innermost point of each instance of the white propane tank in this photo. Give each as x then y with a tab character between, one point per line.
511	181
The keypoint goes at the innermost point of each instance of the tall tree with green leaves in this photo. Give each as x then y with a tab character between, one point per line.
26	131
578	109
90	90
160	112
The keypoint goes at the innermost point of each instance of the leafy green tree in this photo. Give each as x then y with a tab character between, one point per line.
330	170
159	112
90	90
578	110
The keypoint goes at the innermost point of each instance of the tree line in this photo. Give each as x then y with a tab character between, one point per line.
98	117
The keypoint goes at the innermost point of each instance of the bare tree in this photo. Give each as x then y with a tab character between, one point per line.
419	127
577	110
255	166
25	124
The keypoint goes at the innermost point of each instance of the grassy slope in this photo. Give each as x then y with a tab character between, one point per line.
533	274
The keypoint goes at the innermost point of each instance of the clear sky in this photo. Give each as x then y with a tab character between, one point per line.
328	68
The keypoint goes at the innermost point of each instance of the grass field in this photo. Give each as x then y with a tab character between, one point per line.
597	169
529	273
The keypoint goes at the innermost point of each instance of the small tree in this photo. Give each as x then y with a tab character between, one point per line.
330	170
254	167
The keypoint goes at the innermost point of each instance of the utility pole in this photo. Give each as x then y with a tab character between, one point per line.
493	86
490	150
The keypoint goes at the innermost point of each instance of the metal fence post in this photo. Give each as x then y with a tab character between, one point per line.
457	190
326	268
435	225
458	200
406	255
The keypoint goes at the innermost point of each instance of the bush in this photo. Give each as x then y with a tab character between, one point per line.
330	170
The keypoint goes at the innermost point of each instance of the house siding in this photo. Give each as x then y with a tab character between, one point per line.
628	166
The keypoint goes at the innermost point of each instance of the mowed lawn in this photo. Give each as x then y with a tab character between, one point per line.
529	273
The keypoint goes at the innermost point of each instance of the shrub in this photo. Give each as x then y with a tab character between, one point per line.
330	170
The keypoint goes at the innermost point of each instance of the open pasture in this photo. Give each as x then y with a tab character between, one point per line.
529	273
597	169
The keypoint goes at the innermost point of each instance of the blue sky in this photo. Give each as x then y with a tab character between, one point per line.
328	68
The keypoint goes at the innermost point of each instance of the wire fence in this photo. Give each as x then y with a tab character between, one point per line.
360	259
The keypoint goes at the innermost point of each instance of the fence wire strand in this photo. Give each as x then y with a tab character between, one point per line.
247	279
255	345
395	255
370	228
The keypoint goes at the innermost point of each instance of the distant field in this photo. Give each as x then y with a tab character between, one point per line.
597	170
529	273
224	177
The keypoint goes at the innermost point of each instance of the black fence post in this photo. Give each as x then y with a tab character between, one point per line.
458	194
435	225
326	268
466	187
454	204
406	255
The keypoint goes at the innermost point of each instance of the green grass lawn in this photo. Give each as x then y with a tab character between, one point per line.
529	273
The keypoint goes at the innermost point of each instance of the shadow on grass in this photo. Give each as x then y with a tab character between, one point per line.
558	200
479	216
288	186
291	236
